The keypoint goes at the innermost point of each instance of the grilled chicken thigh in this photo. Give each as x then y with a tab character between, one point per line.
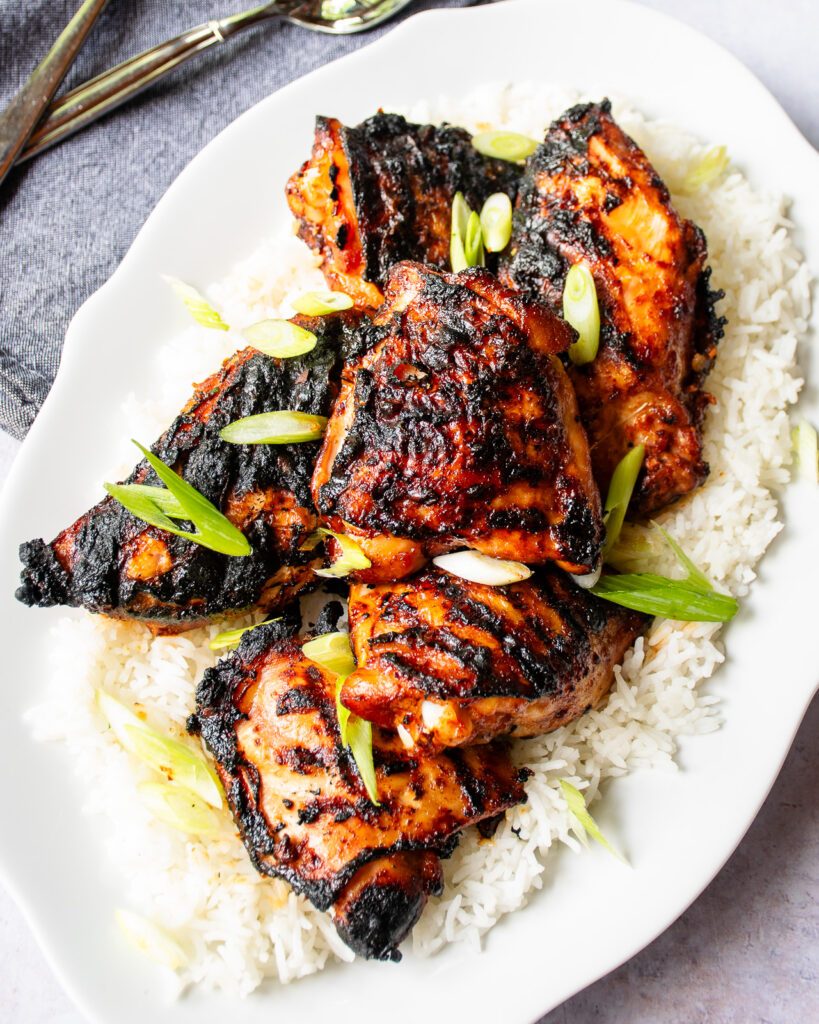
382	192
459	427
268	715
448	662
111	562
590	195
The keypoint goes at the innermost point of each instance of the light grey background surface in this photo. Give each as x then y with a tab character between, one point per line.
747	952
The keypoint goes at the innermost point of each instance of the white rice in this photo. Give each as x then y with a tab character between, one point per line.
239	928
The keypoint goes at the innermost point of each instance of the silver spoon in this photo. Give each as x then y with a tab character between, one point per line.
87	102
21	115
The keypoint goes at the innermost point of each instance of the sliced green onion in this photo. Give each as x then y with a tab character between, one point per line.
579	811
280	338
212	529
673	599
496	222
473	242
342	713
710	166
174	759
352	557
459	222
805	446
282	427
332	10
502	145
311	541
231	637
581	310
332	651
321	303
479	568
621	488
197	305
636	549
360	742
694	577
150	939
180	808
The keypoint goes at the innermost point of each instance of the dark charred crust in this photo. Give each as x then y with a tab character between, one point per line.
201	583
379	921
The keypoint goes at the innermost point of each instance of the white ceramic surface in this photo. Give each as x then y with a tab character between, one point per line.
676	829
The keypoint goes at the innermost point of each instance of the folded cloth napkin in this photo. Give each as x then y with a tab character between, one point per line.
68	217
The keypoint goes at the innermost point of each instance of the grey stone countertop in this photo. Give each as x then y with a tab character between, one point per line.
747	951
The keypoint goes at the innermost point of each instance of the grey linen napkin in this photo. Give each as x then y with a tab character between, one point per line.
68	217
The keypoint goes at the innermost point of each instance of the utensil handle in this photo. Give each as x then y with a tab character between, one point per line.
25	110
86	103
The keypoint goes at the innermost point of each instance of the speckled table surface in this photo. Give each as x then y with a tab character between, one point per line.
747	951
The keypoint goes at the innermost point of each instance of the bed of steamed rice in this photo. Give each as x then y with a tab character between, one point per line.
239	928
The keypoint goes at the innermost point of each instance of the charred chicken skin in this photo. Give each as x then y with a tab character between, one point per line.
382	192
459	427
268	716
111	562
590	195
448	662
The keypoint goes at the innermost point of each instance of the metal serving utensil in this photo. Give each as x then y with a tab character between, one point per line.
86	103
21	115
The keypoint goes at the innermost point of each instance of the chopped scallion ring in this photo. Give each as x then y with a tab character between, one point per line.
197	305
577	808
332	651
581	310
280	338
710	166
211	529
231	637
352	557
473	242
360	742
479	568
150	939
502	145
321	303
282	427
459	222
496	222
621	488
806	450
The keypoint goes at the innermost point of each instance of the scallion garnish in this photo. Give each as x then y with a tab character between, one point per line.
321	303
281	427
197	305
620	490
496	222
333	653
806	450
581	310
473	242
231	637
479	568
577	808
280	338
459	222
352	557
710	166
179	808
502	145
150	939
211	529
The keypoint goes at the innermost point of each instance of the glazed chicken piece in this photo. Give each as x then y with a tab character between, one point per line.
382	192
448	662
590	195
268	716
111	562
459	428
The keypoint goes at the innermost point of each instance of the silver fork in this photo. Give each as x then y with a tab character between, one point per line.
86	103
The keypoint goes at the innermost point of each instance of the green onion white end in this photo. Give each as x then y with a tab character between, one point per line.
511	146
581	310
479	568
281	427
197	305
806	450
321	303
496	222
279	338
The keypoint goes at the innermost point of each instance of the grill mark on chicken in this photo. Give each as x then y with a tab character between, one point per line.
459	427
382	192
111	562
373	866
590	195
521	659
